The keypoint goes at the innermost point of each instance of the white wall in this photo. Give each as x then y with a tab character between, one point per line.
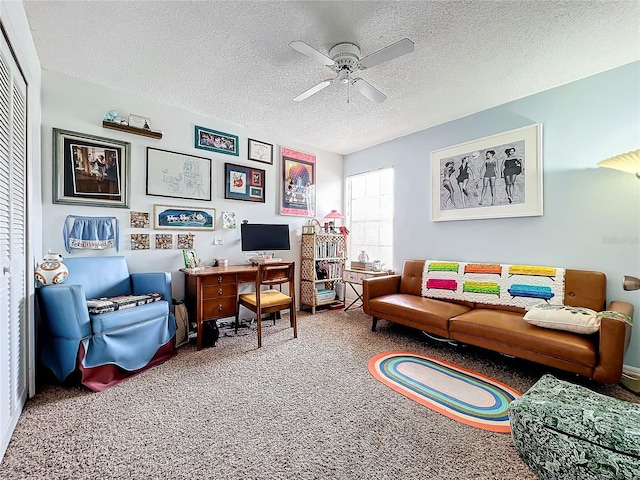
80	106
591	215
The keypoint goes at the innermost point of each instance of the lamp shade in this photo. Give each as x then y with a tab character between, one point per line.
334	214
631	283
627	162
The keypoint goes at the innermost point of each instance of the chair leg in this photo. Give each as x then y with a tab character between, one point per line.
237	321
259	318
294	322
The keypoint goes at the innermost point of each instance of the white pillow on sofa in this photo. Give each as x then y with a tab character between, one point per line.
563	317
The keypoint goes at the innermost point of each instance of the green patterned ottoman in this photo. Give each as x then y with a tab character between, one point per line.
566	431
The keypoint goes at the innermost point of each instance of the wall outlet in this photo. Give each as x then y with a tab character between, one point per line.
217	241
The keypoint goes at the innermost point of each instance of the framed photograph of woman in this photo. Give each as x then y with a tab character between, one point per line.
298	187
494	177
90	170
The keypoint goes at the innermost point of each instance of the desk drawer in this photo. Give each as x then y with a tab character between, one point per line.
221	290
219	279
220	307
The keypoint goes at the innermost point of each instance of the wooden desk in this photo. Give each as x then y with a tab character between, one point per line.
355	277
211	293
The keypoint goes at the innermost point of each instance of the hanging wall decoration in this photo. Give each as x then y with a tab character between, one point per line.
216	141
244	183
93	233
90	170
494	177
139	241
298	186
172	174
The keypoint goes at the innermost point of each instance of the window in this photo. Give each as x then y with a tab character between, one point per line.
370	215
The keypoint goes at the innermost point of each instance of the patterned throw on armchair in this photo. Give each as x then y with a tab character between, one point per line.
105	322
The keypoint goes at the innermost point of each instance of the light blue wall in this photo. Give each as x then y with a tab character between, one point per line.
591	215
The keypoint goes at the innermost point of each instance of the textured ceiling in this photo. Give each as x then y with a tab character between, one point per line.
231	60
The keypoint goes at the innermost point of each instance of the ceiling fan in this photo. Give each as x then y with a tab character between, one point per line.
344	59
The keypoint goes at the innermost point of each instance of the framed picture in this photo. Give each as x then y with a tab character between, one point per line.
298	188
90	170
243	183
260	151
190	258
494	177
139	121
215	141
178	175
183	218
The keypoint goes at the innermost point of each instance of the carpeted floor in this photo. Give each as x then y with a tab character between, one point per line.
295	409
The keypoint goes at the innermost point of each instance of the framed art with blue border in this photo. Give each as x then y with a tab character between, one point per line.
244	183
216	141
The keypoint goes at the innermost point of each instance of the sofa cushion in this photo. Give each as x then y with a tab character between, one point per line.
110	321
111	304
425	311
489	328
563	317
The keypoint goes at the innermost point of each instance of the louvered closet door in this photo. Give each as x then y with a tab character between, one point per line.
13	287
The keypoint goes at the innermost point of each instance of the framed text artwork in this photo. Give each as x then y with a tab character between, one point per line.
178	175
494	177
298	187
90	170
183	218
260	151
216	141
244	183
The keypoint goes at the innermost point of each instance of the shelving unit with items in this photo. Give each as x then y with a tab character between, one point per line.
323	257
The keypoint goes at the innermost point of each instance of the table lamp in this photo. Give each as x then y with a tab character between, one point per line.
333	214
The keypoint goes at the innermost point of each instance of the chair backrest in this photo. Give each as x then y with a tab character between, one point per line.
100	276
272	274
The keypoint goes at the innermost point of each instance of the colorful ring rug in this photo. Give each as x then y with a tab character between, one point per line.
463	395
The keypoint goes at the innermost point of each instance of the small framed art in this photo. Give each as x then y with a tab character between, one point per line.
183	218
138	121
190	258
260	151
244	183
216	141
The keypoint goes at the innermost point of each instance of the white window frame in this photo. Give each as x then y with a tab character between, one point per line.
369	217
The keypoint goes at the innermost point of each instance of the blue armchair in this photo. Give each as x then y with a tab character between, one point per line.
106	346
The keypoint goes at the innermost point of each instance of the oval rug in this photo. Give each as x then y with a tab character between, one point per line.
463	395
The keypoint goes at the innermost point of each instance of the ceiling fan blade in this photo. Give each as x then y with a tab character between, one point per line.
312	90
394	50
368	90
311	52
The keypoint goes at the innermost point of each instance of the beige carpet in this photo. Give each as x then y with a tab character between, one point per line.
295	409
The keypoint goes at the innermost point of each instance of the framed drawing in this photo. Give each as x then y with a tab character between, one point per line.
298	187
260	151
90	170
243	183
183	218
178	175
498	176
215	141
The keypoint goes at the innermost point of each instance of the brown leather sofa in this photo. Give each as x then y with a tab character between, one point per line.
397	298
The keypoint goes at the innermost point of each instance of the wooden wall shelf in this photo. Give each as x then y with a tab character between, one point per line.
135	130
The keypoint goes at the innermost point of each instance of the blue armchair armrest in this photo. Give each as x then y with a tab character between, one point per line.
66	308
159	282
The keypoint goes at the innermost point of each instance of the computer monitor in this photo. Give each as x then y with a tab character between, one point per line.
260	237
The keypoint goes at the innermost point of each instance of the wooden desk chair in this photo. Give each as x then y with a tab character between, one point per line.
271	300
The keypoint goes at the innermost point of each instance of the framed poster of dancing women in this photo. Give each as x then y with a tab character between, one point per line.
498	176
298	187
